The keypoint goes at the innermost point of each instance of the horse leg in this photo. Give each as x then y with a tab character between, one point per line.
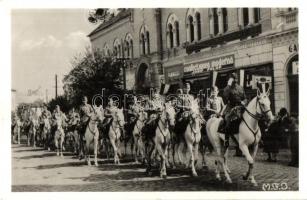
18	135
149	160
115	150
225	167
56	146
179	152
61	144
163	153
135	149
249	174
96	150
226	160
190	149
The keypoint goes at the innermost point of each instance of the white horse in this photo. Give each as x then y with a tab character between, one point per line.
34	125
46	133
118	121
249	134
161	139
92	134
192	136
59	136
17	124
138	147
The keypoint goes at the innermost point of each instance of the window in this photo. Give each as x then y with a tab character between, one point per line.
225	19
148	42
131	48
215	21
191	28
171	36
177	33
245	16
257	15
198	24
143	43
127	49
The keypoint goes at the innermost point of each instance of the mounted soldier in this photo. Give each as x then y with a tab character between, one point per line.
108	114
185	100
85	112
215	104
154	109
235	100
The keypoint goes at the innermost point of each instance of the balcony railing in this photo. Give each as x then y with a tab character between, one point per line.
289	19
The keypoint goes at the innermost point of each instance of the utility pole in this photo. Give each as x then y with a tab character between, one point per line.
56	86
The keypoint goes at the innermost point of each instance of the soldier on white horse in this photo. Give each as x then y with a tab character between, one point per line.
85	112
59	121
72	131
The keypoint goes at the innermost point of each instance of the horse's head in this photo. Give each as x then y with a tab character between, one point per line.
170	113
195	111
264	103
119	117
97	115
142	115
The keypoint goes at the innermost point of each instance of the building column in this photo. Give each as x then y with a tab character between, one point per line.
240	17
195	30
251	19
220	20
211	21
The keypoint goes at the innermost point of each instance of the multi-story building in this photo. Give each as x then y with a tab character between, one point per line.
203	45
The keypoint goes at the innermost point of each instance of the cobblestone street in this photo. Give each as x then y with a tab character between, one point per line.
39	170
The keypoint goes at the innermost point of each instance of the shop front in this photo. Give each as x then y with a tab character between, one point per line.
204	74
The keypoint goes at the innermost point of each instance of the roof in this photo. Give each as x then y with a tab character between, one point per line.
121	15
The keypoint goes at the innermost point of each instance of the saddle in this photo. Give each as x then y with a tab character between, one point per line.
232	126
182	122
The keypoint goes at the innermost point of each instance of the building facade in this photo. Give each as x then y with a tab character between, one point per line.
203	45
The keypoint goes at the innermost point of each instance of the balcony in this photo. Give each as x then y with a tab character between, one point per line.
289	19
249	31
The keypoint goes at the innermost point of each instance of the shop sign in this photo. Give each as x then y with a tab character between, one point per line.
173	73
209	65
261	79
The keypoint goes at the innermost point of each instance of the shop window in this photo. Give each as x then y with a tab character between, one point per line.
191	28
131	48
249	85
293	85
143	43
177	34
198	24
215	21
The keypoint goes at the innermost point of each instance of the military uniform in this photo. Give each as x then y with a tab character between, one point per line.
85	114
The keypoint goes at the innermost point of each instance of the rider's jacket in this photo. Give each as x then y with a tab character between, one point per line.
135	109
156	103
47	114
110	111
59	116
74	118
215	103
185	101
234	95
85	112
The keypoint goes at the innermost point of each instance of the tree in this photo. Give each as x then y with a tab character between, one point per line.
90	74
103	14
62	101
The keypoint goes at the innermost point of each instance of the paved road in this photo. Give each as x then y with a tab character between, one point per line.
39	170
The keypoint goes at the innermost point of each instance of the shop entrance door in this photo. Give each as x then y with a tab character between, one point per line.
293	85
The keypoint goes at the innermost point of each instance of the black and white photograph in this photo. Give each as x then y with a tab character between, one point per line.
155	99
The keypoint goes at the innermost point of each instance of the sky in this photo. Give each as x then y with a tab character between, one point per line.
44	41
